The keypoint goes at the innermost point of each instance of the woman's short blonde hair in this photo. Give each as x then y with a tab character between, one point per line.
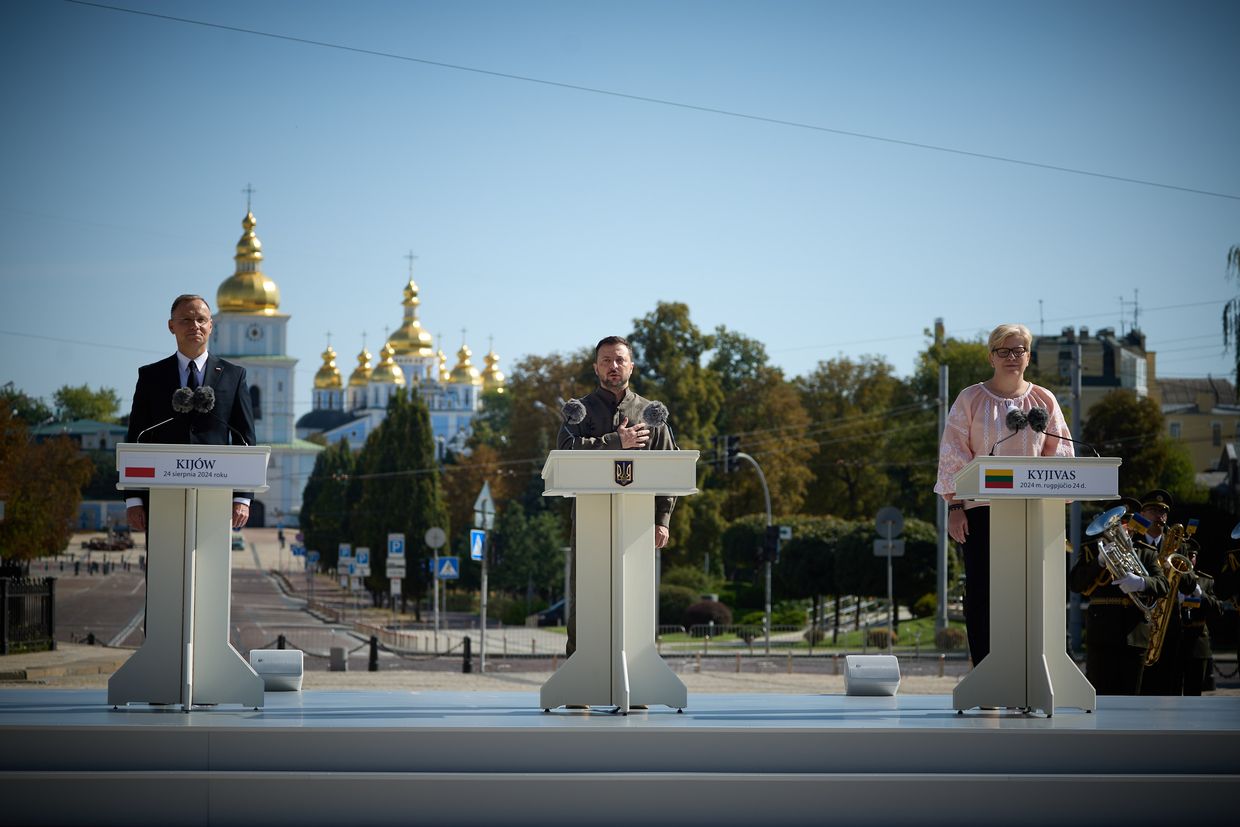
1003	331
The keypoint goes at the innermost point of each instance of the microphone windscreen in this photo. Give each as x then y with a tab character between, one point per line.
204	399
1016	419
573	411
1038	418
182	400
655	414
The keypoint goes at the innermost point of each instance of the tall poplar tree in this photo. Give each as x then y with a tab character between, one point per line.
399	490
325	502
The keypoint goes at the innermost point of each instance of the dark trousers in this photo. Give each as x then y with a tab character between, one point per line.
1116	669
1194	672
976	551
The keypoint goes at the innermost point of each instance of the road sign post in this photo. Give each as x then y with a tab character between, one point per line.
484	518
435	538
889	522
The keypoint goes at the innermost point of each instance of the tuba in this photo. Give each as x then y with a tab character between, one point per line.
1175	565
1117	553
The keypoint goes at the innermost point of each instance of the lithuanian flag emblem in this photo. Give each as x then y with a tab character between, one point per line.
998	478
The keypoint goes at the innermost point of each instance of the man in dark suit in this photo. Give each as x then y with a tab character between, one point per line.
153	419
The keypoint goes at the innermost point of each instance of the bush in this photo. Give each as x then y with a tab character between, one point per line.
925	605
673	601
460	602
690	577
949	638
700	614
754	619
814	636
877	638
789	613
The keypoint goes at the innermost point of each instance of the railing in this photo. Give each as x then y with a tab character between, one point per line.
27	614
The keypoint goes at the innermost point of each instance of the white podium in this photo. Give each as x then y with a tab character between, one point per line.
616	662
1028	666
186	658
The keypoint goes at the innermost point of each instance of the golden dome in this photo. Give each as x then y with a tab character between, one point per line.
247	290
492	377
464	373
444	373
410	339
328	377
361	374
387	372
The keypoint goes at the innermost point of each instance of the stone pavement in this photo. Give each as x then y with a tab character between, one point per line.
81	666
78	666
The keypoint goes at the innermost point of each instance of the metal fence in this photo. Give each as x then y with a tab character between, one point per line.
27	614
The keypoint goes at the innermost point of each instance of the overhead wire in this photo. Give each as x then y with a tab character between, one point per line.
711	110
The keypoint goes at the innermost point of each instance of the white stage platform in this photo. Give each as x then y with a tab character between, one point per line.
436	758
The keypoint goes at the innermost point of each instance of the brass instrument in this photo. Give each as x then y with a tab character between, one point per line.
1175	565
1117	553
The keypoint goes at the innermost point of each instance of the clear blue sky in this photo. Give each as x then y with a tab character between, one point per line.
547	217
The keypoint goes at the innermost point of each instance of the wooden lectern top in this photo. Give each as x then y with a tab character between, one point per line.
665	473
1036	478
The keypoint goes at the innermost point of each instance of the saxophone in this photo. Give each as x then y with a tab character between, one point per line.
1175	565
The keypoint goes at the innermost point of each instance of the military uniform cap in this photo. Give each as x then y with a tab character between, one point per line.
1158	498
1131	504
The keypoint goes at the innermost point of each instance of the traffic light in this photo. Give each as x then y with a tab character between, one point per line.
770	545
732	446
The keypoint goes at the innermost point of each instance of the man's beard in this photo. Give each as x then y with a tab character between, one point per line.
614	385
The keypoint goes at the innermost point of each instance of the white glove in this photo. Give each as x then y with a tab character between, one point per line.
1130	583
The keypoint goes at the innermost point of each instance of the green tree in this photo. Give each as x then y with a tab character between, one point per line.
73	403
399	489
40	484
29	409
325	503
530	557
1123	425
856	407
537	387
735	359
668	353
773	427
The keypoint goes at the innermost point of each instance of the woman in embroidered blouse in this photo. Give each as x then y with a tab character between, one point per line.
977	421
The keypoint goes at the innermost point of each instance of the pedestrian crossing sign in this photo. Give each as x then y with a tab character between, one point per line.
449	568
477	539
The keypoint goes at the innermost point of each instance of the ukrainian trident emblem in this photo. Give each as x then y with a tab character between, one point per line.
624	472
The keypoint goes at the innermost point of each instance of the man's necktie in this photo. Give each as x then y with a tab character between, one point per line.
193	375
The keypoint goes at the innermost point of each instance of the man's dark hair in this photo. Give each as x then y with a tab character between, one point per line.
186	297
612	340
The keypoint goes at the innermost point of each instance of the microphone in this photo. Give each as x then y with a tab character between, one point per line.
1038	419
204	402
204	399
654	414
573	412
1016	421
182	402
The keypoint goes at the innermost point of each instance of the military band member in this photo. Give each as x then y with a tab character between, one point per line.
1117	633
1165	676
1196	609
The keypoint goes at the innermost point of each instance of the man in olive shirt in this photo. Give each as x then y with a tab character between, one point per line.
613	421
